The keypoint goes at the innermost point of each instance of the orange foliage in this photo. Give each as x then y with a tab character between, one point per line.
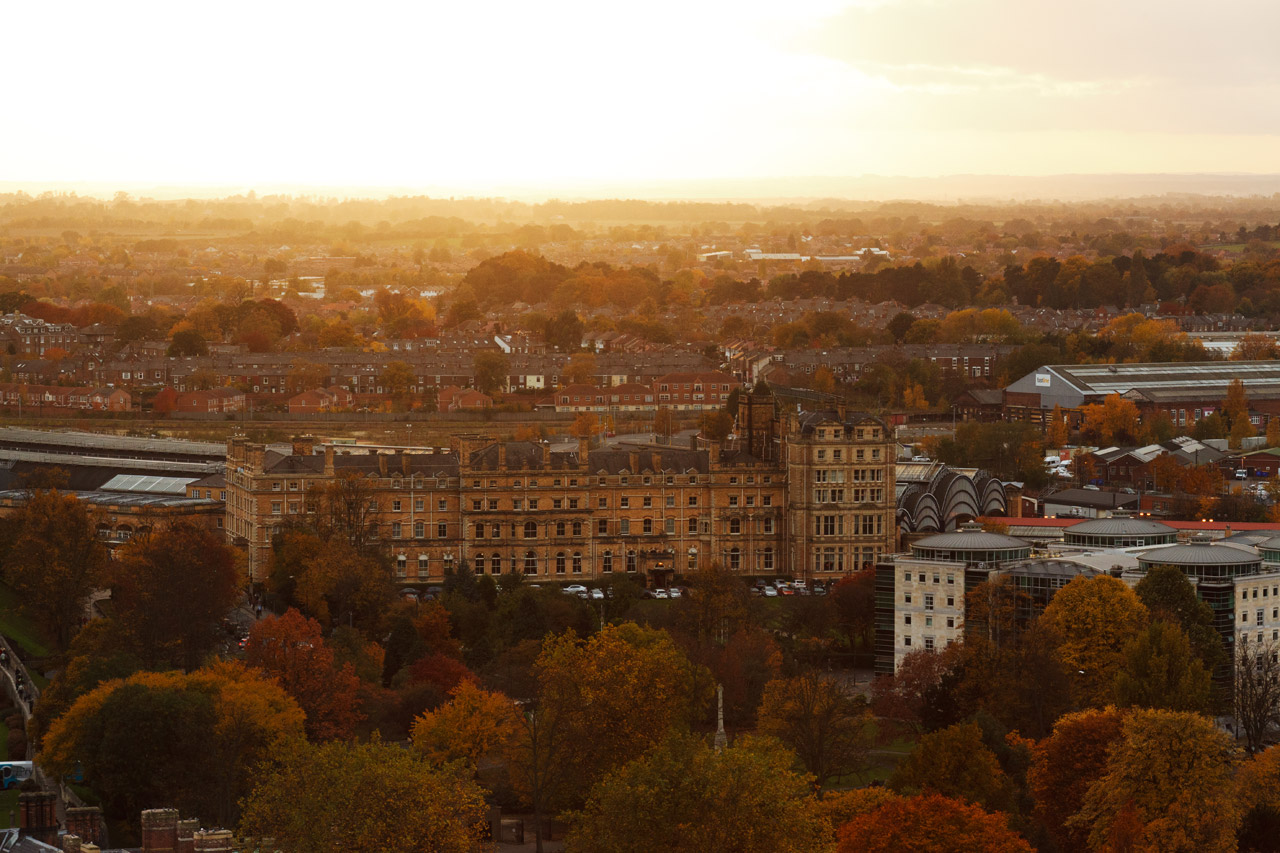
929	824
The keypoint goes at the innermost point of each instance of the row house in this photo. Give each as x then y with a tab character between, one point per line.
211	401
812	498
29	336
694	391
65	397
454	399
330	399
630	397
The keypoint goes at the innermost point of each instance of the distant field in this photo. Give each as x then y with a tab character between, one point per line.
1237	248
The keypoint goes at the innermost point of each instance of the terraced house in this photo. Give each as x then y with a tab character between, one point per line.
808	495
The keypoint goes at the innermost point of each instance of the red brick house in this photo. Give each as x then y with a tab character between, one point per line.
214	401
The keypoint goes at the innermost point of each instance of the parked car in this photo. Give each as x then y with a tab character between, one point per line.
675	592
661	593
574	589
597	594
770	592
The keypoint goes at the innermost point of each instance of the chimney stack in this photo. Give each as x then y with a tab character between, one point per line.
382	464
38	816
502	456
633	462
214	841
187	835
160	831
85	822
328	460
304	445
584	450
71	844
546	454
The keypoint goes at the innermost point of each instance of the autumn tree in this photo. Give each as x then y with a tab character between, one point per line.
165	401
584	425
955	762
472	726
1065	764
55	560
826	727
716	425
187	343
397	378
580	370
190	740
1094	618
291	649
1114	421
102	650
1058	432
1255	346
1160	670
929	823
172	588
1168	786
854	599
664	422
328	579
685	797
1257	690
344	797
903	696
1259	785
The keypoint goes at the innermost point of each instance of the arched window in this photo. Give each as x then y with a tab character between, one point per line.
560	528
530	563
560	563
530	530
766	560
735	559
577	562
577	528
606	561
631	561
735	526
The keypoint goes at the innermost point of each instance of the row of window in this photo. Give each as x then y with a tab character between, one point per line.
1259	615
859	525
922	577
928	600
573	563
859	454
928	620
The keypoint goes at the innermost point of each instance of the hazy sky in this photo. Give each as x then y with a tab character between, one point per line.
480	96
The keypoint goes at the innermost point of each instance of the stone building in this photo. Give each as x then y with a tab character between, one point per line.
807	495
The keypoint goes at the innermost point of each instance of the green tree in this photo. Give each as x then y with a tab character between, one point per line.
685	797
716	425
825	726
397	378
491	369
55	560
1169	596
364	798
1161	671
172	589
192	741
187	342
955	762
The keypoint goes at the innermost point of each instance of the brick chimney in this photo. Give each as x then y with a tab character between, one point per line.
214	841
187	835
328	460
502	456
71	843
584	449
633	462
85	822
546	454
382	464
160	831
37	815
304	445
254	454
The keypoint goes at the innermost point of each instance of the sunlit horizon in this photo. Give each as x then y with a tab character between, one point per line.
573	98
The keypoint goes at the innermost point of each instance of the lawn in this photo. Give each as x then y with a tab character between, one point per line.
19	629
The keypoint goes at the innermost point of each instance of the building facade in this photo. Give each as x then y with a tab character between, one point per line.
810	497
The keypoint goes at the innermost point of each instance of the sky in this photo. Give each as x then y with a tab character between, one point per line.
483	98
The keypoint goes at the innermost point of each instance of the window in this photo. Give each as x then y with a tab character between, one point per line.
648	501
928	601
577	528
560	563
606	561
475	506
530	563
401	565
573	503
735	559
496	531
735	526
602	503
906	619
631	561
533	503
423	564
419	530
928	644
395	530
577	562
766	525
624	502
624	527
560	528
480	530
275	507
951	601
951	621
395	506
670	527
693	500
602	527
906	598
442	530
530	530
906	641
671	501
493	503
442	505
692	526
647	526
517	504
766	560
419	505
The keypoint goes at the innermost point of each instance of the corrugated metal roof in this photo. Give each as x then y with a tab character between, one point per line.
148	484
